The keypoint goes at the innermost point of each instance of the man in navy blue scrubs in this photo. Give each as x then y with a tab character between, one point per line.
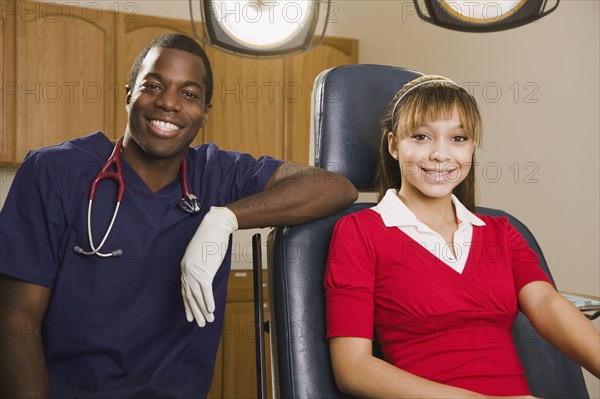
79	326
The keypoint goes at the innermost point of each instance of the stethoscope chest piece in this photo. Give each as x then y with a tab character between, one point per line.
189	203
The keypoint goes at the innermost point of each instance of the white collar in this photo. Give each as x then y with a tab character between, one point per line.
395	213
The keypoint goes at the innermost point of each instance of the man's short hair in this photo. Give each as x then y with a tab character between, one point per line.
175	41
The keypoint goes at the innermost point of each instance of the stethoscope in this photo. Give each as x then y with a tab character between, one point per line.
189	202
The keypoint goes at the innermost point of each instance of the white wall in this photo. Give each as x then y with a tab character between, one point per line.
538	88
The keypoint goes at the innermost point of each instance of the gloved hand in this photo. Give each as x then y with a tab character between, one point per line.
202	260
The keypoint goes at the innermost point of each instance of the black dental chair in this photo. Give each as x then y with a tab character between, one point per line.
348	102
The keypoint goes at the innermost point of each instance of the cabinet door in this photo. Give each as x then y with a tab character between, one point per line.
8	66
301	71
134	33
235	370
247	112
239	352
63	67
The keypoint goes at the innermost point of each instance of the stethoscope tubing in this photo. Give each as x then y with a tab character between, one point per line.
117	175
96	251
188	201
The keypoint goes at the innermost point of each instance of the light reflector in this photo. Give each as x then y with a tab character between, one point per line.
483	15
262	28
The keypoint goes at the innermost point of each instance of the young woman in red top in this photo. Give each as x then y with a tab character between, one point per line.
440	285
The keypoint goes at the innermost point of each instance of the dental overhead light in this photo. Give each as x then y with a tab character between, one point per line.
262	28
483	15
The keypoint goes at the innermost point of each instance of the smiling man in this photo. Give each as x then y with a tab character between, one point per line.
115	320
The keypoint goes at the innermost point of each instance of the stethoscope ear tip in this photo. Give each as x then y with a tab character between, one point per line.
78	250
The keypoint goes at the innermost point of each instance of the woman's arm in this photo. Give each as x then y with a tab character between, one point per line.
359	373
23	372
561	324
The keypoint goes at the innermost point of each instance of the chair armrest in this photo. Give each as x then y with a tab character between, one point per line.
589	305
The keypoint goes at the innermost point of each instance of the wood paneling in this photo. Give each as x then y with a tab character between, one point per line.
9	87
301	71
64	76
247	112
238	347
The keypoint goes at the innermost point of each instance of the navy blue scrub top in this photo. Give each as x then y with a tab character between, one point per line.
116	327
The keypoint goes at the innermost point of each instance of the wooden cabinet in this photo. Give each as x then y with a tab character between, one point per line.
248	108
55	85
263	106
235	370
301	71
8	104
65	76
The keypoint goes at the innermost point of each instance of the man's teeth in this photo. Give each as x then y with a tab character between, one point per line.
169	127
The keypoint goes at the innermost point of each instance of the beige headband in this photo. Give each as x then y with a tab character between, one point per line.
417	85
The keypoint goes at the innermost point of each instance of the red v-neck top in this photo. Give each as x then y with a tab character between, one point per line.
430	320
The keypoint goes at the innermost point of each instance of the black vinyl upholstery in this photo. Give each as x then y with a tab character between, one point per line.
348	102
297	255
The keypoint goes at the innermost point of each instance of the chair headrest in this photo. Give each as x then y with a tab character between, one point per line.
348	102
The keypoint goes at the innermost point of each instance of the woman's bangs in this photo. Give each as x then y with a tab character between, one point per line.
419	111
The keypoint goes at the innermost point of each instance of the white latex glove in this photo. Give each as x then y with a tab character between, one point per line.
202	260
